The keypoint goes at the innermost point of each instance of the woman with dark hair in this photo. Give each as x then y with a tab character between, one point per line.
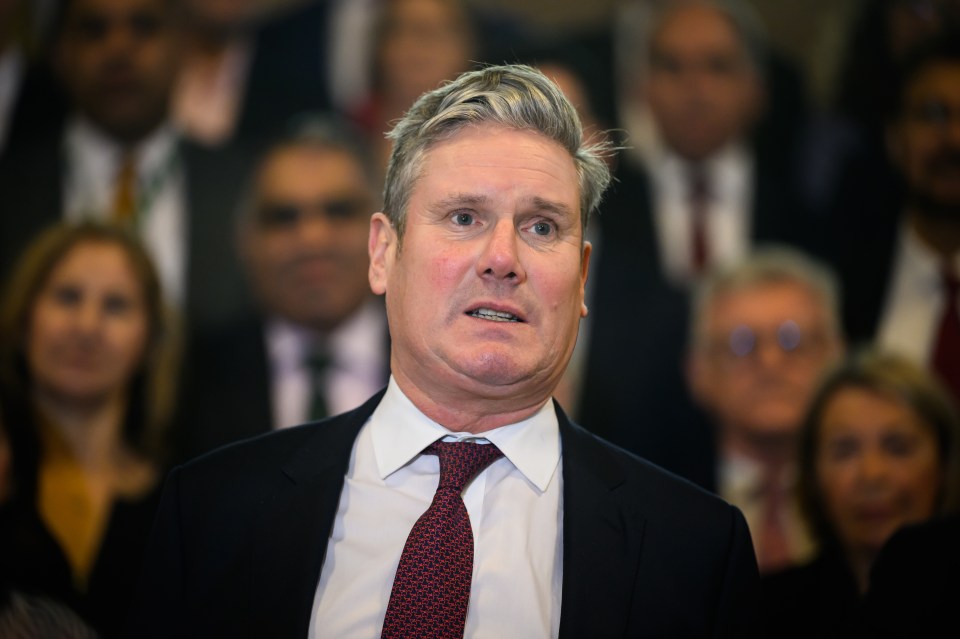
878	450
86	361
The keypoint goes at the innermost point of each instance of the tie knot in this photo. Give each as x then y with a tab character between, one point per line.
319	360
699	183
461	461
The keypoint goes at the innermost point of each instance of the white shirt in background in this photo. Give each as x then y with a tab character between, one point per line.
729	212
93	165
359	355
914	305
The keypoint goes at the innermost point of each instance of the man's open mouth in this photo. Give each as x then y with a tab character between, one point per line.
494	316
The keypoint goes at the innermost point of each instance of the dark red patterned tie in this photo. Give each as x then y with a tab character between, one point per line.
946	351
432	587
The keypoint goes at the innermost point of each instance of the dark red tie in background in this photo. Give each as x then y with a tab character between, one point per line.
946	353
699	198
432	587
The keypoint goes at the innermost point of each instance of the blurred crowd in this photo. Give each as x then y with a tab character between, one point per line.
185	191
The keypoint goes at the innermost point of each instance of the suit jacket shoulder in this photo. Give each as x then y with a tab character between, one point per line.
647	553
241	534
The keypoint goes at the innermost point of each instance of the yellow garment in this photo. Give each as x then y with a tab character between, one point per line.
71	505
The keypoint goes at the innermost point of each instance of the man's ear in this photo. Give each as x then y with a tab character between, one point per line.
382	247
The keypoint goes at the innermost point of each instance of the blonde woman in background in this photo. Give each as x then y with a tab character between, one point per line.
878	450
86	359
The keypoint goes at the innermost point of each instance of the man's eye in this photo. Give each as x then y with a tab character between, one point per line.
463	218
543	228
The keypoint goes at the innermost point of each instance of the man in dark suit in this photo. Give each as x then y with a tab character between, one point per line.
901	281
117	157
693	191
533	528
317	342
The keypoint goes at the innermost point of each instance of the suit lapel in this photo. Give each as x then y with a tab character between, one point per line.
292	535
601	539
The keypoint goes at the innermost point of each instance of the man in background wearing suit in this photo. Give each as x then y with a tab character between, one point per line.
317	343
902	282
693	191
118	158
314	531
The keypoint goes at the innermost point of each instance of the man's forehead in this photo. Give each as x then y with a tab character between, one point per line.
713	28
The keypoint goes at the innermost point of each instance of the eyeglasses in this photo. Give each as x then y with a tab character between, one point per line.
744	344
286	215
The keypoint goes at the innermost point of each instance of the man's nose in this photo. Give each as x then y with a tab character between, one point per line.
500	258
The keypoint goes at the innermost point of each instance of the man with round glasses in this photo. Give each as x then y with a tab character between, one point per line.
762	332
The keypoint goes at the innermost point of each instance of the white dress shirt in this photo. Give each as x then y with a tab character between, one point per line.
728	215
93	165
356	372
515	511
911	313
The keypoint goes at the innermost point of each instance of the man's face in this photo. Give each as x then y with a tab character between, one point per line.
701	86
925	142
118	59
306	244
761	352
485	296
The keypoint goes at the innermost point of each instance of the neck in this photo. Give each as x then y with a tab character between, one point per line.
469	413
773	452
91	431
940	234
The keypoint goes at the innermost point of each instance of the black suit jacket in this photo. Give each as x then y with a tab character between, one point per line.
914	589
32	197
241	536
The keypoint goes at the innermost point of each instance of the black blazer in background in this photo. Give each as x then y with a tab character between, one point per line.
226	392
914	586
288	73
32	198
241	536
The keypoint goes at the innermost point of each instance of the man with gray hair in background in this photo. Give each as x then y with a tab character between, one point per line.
460	501
762	332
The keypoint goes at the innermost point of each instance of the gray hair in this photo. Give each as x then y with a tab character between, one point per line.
768	265
513	96
639	22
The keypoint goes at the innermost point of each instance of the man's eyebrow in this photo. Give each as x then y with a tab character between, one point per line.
479	200
551	206
462	199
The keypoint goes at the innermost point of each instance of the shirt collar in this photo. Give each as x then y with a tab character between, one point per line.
727	169
741	479
400	432
90	143
921	265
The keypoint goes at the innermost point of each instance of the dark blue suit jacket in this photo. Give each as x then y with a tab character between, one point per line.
241	536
